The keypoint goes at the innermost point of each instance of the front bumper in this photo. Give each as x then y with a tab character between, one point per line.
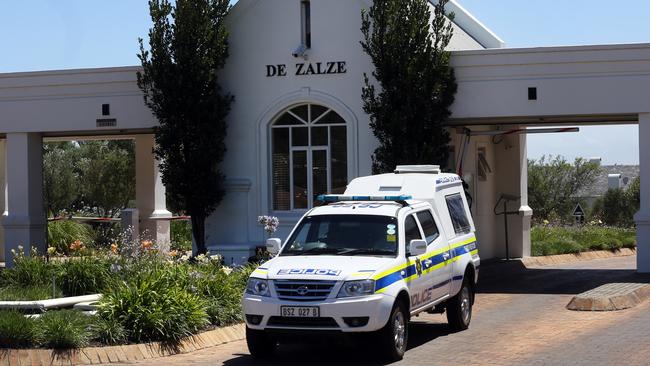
376	307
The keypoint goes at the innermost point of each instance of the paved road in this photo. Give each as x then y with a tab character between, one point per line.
519	319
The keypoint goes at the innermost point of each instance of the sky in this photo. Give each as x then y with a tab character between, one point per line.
66	34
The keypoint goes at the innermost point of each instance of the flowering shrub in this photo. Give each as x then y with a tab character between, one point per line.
270	224
32	270
66	235
149	297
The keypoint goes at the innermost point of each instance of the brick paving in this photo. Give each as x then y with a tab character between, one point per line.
524	323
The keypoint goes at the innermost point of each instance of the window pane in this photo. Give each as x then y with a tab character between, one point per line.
280	160
411	230
457	214
331	118
287	120
428	226
339	163
299	136
319	171
344	232
299	179
306	23
319	136
302	112
317	111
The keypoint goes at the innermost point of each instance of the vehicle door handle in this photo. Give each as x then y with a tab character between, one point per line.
445	256
427	262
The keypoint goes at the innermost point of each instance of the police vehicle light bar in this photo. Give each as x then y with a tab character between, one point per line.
339	198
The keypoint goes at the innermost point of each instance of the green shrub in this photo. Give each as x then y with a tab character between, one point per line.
60	234
17	331
629	242
153	307
549	240
181	235
615	208
83	276
29	293
65	329
224	299
30	271
614	244
108	332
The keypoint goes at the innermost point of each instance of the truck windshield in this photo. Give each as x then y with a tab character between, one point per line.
367	235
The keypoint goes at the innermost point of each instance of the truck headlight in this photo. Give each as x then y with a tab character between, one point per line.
357	288
257	286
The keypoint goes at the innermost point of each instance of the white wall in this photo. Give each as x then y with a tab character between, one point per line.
583	83
266	33
71	101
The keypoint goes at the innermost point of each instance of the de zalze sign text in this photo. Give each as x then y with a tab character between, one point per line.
304	69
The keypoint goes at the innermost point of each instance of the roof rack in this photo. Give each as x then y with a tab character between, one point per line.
423	169
331	198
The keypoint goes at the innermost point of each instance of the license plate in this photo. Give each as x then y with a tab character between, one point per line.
300	311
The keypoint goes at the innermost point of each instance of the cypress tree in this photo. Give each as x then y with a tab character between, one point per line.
413	84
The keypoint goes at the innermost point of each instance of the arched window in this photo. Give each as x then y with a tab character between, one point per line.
309	156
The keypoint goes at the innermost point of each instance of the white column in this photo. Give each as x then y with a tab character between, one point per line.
525	212
512	178
3	194
150	193
643	216
24	219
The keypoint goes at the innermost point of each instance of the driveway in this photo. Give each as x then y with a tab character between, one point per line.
519	319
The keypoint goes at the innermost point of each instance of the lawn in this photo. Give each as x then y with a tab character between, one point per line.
550	240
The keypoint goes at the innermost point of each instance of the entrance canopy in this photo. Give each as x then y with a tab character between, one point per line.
551	86
497	89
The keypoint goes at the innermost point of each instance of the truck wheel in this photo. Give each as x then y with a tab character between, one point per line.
459	308
260	345
393	337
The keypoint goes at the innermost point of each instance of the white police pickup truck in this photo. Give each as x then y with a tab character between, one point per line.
392	246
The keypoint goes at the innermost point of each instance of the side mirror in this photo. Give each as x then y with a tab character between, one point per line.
273	246
417	247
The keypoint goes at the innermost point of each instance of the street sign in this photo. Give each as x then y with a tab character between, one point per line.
579	214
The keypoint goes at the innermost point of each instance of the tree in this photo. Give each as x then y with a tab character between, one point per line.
415	85
554	184
619	205
188	46
107	170
60	179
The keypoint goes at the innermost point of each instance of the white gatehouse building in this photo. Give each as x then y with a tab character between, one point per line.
297	128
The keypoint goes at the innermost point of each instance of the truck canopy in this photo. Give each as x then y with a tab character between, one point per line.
421	182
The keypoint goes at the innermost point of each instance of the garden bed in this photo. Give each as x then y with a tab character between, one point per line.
554	240
146	297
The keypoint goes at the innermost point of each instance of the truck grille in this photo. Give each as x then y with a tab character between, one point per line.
279	321
303	290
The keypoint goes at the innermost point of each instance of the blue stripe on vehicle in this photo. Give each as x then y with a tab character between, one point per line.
411	270
388	280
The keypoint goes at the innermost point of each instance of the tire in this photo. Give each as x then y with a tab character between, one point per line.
393	337
459	308
260	344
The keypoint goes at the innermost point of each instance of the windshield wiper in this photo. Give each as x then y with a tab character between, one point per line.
374	251
316	251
